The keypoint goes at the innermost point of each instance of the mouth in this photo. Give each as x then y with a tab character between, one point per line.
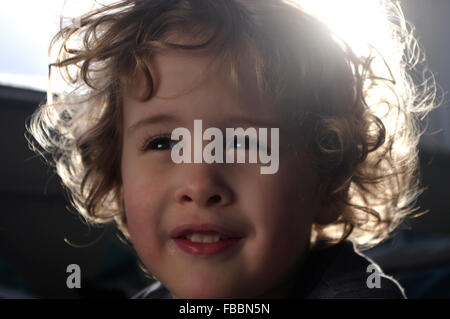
204	239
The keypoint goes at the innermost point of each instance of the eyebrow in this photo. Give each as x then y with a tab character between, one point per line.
238	121
160	118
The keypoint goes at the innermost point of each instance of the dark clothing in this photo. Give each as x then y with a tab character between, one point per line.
338	272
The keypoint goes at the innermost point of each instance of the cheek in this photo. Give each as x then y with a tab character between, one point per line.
284	223
143	219
143	200
135	211
142	204
139	186
283	211
286	199
135	207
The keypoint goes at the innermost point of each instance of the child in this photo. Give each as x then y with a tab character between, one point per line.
347	146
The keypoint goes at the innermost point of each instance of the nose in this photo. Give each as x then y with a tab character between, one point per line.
203	186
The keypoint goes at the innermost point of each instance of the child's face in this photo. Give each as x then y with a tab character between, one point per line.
271	214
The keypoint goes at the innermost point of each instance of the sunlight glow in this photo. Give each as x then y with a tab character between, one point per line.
365	25
358	22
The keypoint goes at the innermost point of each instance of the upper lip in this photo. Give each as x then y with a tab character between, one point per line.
187	229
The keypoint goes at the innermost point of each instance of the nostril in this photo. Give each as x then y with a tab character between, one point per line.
186	198
214	199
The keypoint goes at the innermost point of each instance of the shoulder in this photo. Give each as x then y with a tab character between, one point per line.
344	272
154	291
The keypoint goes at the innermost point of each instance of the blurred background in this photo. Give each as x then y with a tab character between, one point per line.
40	235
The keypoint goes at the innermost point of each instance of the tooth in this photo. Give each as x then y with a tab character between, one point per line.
201	238
195	238
211	239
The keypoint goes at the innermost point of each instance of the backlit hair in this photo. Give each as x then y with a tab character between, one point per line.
359	124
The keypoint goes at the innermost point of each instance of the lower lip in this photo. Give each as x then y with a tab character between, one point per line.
205	249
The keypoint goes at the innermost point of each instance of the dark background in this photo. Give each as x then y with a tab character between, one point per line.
35	222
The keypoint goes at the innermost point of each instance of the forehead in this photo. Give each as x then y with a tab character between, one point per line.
193	85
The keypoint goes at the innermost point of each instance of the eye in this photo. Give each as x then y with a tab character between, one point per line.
245	144
159	143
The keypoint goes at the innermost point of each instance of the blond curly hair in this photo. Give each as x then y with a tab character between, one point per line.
361	126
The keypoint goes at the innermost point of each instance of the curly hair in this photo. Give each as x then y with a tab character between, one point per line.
361	125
